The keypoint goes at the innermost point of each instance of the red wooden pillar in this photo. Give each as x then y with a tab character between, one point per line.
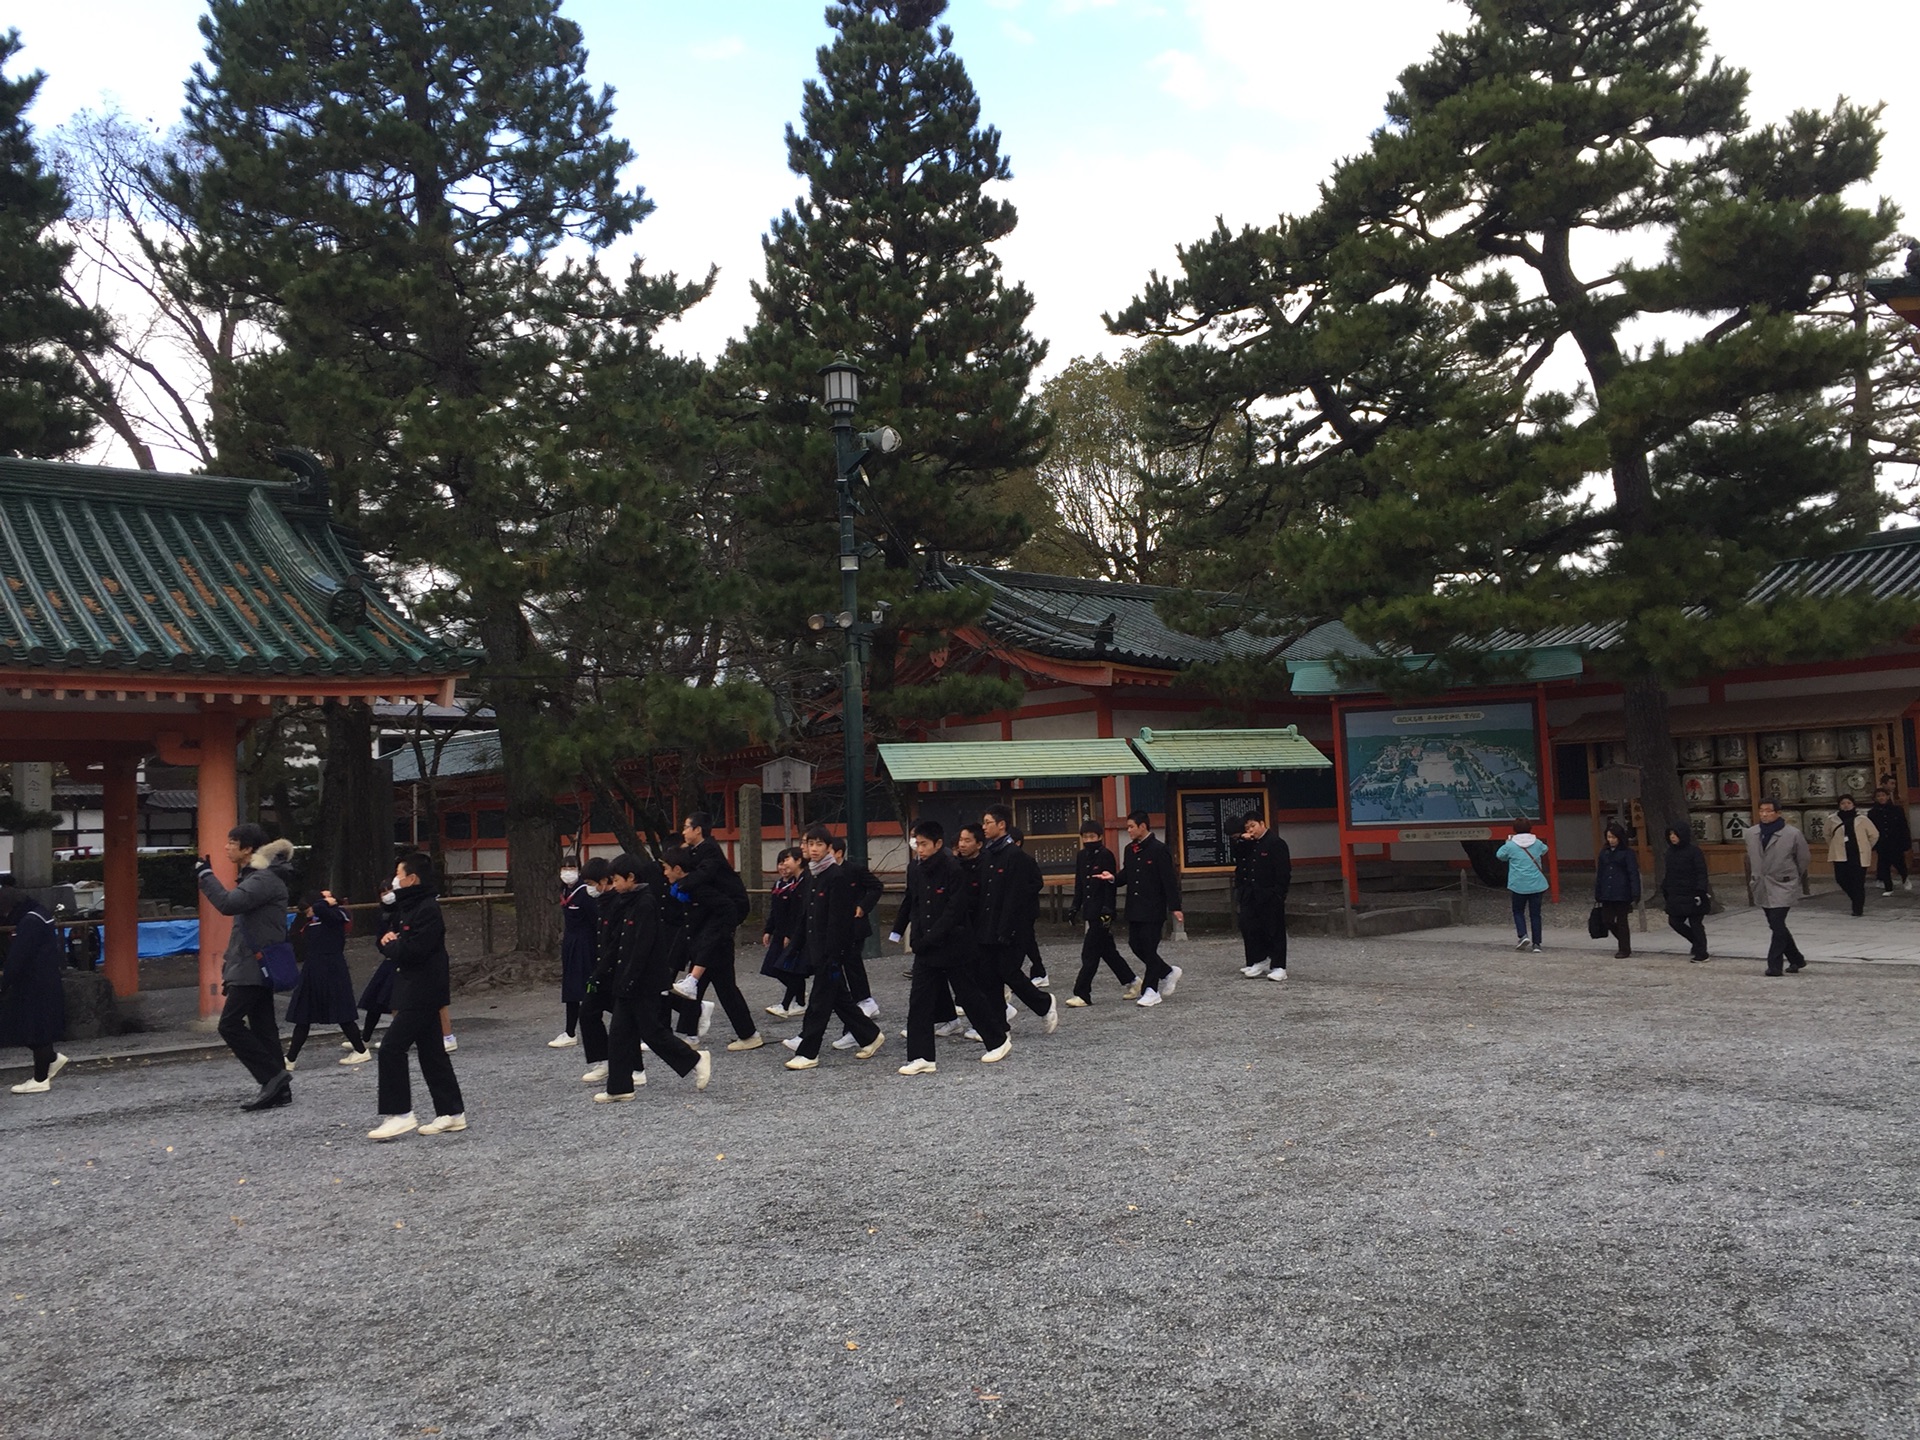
121	823
219	802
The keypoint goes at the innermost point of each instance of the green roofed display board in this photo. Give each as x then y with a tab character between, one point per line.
1443	766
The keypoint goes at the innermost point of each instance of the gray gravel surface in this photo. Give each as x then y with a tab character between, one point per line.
1416	1190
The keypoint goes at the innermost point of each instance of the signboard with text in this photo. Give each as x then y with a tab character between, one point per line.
1444	769
1210	822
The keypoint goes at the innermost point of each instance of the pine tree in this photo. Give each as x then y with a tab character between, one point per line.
43	393
415	196
888	261
1411	472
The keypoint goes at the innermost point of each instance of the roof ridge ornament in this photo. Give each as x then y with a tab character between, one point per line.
311	483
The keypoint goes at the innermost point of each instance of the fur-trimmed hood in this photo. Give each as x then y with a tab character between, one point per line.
274	852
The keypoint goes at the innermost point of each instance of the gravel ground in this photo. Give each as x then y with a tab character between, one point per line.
1416	1190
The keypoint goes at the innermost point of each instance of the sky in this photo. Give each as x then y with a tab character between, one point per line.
1129	124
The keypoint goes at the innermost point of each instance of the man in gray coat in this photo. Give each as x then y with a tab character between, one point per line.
258	905
1777	862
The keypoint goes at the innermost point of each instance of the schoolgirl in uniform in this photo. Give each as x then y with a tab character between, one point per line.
324	994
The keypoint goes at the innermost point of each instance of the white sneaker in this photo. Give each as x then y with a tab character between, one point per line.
703	1070
393	1127
1074	1002
792	1042
1132	992
1148	999
779	1012
870	1008
346	1044
1279	974
972	1034
999	1052
595	1074
358	1057
867	1052
445	1124
605	1098
801	1062
1050	1022
706	1019
32	1087
59	1064
949	1028
1043	982
289	1064
1173	979
752	1042
917	1067
450	1042
562	1041
1013	1012
845	1042
1254	972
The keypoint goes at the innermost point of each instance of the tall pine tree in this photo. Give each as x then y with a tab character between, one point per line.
1413	472
415	196
888	260
43	393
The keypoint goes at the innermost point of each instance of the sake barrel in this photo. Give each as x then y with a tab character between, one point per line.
1780	786
1779	747
1856	744
1699	787
1734	825
1729	749
1793	818
1814	827
1696	750
1857	781
1819	782
1734	789
1706	826
1819	744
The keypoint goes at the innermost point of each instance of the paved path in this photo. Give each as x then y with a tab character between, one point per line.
1417	1190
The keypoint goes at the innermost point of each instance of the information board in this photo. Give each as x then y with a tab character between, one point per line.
1443	767
1210	822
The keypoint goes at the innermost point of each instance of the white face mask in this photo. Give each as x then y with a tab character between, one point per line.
569	875
387	897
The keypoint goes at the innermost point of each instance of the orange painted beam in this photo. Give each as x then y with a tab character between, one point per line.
105	686
219	810
121	823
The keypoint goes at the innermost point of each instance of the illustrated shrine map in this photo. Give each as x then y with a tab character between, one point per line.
1437	767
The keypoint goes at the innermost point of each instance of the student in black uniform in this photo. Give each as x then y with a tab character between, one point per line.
780	963
1153	893
598	876
579	939
636	970
1030	933
376	996
825	934
939	901
324	994
1095	901
867	891
422	987
717	903
1263	873
1009	884
33	1002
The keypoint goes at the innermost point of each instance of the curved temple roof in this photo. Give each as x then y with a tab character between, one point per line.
138	571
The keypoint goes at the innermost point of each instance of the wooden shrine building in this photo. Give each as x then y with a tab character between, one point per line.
146	614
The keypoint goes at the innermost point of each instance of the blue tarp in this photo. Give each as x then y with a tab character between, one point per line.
168	937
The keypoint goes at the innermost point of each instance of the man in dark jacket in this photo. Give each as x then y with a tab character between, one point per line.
825	935
258	905
417	945
635	970
1896	839
1010	883
33	1004
1263	873
940	900
1153	893
716	904
1687	890
1096	901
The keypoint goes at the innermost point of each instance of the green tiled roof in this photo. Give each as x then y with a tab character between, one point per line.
137	571
1175	750
1009	759
475	754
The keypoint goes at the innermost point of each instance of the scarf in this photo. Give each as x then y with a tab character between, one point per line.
1769	829
821	866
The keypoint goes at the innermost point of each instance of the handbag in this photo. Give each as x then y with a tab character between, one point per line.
277	966
1596	924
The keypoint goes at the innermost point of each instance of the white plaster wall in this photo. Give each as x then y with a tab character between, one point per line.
1316	841
1083	725
1573	836
967	732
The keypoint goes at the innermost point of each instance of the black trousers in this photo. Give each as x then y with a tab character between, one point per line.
417	1030
939	983
1852	877
641	1019
1031	953
830	998
43	1057
854	975
713	950
1614	914
1097	948
252	1031
593	1028
347	1028
1692	929
1003	963
1889	861
1143	938
1782	947
1263	935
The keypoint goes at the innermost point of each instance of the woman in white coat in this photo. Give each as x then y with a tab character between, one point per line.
1851	837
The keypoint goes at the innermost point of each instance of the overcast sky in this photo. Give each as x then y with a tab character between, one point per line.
1130	124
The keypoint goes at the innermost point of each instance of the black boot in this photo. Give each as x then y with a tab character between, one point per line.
277	1091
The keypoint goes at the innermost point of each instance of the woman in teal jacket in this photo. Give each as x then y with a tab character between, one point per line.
1526	857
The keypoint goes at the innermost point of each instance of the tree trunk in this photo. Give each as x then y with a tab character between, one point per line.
1650	746
352	842
533	817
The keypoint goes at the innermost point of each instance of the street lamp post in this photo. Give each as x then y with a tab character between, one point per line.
841	393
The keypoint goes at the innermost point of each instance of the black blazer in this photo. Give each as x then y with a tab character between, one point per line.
1153	885
1003	874
940	899
1264	874
1095	899
419	952
825	929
